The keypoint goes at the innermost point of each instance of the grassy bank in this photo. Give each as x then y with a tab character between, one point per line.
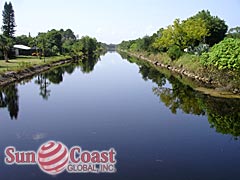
22	72
187	61
23	62
189	65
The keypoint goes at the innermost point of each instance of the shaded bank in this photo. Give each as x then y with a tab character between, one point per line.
223	114
219	84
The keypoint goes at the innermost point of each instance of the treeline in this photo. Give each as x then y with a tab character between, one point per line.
61	42
196	35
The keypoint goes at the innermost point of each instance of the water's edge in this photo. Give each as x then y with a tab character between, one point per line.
12	76
212	91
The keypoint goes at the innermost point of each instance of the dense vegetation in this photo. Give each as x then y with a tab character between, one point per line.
60	42
203	28
200	35
224	55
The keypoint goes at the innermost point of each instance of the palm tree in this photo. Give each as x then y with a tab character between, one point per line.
5	45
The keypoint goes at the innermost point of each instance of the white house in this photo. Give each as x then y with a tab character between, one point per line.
19	47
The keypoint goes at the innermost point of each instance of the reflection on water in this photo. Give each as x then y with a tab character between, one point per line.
223	114
159	126
9	100
9	94
43	83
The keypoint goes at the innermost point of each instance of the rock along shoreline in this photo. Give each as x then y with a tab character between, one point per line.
12	76
211	87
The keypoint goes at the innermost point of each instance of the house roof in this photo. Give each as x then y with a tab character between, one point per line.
19	46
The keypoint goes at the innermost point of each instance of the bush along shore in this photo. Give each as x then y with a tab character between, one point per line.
199	47
213	82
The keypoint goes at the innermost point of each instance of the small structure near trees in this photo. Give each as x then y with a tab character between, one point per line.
22	50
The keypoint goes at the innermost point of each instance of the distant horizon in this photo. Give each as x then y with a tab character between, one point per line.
112	22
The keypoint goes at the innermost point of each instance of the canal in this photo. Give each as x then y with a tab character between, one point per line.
160	127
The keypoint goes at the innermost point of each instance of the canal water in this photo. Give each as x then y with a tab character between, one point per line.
160	127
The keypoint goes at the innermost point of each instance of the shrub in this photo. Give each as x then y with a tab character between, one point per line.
224	55
174	52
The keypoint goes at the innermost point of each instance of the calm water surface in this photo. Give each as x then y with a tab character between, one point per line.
160	128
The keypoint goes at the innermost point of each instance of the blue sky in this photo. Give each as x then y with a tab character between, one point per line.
113	21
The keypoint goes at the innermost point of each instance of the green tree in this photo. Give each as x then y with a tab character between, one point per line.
216	26
5	45
23	39
182	34
125	45
68	35
86	45
172	35
41	44
76	50
166	39
195	31
67	45
54	41
9	25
